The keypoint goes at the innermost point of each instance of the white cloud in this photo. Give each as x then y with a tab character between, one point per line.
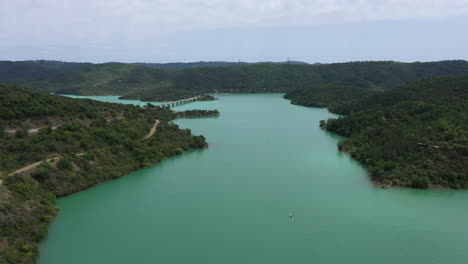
125	24
140	17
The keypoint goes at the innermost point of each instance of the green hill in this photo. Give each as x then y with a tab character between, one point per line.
331	96
415	135
189	65
154	83
92	142
259	78
17	70
90	79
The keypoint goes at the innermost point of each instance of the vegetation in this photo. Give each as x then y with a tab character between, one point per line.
375	116
100	79
90	148
189	65
415	135
206	97
197	113
159	95
331	96
35	69
20	104
18	70
150	83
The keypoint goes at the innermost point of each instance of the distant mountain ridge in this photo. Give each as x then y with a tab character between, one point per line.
155	82
189	65
34	69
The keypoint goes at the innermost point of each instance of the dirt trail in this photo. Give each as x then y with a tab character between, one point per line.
36	164
35	130
153	129
29	167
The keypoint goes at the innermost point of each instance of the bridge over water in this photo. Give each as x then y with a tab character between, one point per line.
178	102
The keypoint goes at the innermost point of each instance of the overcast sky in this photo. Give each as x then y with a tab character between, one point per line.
249	30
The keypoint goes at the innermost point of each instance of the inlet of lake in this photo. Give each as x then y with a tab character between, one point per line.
230	203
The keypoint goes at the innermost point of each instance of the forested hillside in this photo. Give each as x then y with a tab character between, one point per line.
189	65
36	69
331	96
96	142
154	83
267	78
96	79
20	104
199	64
17	70
415	135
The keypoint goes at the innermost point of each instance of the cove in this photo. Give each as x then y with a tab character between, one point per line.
230	202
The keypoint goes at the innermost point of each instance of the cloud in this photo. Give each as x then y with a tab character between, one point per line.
142	17
126	24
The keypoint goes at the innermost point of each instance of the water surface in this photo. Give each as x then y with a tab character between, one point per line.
230	203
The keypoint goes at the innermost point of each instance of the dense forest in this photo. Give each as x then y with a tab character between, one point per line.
197	113
17	70
98	142
34	69
199	64
150	83
415	135
20	104
100	79
206	97
189	65
331	96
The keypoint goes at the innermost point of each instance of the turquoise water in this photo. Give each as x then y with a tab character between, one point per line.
230	203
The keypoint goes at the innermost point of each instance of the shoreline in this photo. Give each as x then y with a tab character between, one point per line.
376	183
127	173
380	185
53	210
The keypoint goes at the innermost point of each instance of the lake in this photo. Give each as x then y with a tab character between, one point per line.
230	203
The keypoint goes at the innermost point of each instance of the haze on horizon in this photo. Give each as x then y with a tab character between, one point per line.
230	30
